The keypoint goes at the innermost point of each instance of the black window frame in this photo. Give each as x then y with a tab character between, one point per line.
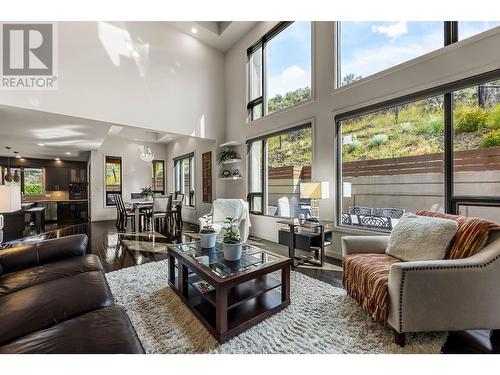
451	200
263	165
108	195
262	44
189	196
4	169
153	177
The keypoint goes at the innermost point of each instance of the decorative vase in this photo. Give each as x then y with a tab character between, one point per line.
232	251
208	240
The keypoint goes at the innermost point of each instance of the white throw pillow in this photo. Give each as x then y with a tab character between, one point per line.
421	237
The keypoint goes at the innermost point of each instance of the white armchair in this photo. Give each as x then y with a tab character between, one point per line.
222	208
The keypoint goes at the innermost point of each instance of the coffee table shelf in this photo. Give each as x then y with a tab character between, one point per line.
245	311
242	292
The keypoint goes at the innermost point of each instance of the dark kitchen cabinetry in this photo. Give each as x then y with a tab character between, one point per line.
77	175
72	212
56	179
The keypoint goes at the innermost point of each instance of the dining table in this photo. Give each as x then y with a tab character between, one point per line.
140	204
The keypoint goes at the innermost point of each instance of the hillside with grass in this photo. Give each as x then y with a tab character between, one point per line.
417	128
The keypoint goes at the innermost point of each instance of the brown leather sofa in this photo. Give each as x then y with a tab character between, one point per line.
55	299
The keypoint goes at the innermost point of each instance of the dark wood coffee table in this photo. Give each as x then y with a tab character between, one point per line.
229	297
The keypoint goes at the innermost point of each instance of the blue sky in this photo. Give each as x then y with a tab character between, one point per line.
367	48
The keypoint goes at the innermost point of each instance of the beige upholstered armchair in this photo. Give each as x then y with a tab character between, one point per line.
420	296
222	208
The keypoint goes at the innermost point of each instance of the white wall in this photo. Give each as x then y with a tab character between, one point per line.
136	173
184	146
469	57
175	83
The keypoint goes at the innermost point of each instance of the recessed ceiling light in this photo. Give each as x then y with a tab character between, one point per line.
41	144
57	159
194	30
18	156
68	153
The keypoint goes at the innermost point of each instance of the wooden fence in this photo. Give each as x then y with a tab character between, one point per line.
487	159
290	172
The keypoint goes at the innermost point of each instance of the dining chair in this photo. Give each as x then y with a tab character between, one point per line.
125	214
162	204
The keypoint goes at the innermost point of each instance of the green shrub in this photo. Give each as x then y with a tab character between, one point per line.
355	145
492	139
32	189
379	139
494	118
469	119
435	124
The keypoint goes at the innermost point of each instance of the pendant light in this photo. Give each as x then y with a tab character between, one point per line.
147	154
8	175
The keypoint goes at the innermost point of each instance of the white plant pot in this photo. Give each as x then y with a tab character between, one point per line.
232	252
208	240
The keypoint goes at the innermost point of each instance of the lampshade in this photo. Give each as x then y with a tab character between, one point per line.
10	198
314	190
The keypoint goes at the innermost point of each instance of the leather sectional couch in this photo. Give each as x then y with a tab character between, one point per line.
55	299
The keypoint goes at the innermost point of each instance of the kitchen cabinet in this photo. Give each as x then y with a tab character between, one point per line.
77	175
56	179
72	212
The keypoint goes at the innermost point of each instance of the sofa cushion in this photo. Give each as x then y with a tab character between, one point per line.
421	237
102	331
43	305
366	279
14	281
471	236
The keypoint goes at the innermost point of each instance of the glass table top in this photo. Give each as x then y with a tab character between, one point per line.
213	259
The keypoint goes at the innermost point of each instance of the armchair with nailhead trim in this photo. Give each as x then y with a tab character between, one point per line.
433	295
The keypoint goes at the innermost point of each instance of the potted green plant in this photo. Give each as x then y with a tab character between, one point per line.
231	243
147	192
227	155
208	235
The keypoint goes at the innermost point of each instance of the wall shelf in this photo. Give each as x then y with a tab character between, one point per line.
231	161
230	144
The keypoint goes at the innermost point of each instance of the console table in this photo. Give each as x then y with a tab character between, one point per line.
311	237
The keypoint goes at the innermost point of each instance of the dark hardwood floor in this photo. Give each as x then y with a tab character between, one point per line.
104	242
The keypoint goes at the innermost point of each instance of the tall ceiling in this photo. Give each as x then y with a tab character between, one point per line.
39	134
219	34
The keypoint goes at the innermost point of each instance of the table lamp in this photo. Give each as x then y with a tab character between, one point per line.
314	191
10	198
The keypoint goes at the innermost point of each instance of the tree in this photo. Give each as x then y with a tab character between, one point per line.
350	78
291	98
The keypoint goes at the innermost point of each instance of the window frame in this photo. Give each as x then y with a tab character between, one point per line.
3	170
451	201
106	192
153	177
262	43
190	196
264	164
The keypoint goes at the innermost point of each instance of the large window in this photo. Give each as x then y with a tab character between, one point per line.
392	162
29	179
32	181
184	178
158	176
437	153
366	48
113	176
467	29
277	165
279	69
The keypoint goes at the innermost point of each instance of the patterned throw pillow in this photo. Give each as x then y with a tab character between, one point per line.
471	236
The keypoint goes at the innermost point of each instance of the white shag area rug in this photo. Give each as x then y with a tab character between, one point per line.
320	319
